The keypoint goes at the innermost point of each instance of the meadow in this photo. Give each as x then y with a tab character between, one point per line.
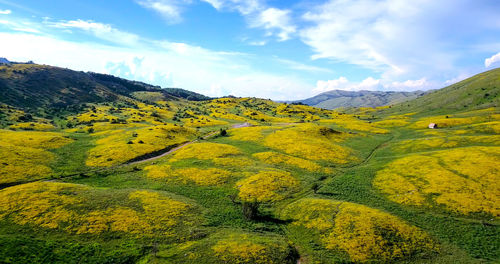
294	183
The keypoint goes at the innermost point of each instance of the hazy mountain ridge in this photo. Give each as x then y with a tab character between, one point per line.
347	99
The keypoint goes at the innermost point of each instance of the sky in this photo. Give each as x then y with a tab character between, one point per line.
282	50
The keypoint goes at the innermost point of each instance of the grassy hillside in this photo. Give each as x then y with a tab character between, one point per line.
476	92
154	179
347	99
32	86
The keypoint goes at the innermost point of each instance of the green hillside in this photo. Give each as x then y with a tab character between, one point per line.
32	86
476	92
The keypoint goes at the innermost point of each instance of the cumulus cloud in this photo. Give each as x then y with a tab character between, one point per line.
372	84
163	63
273	19
492	60
170	9
397	38
5	12
99	30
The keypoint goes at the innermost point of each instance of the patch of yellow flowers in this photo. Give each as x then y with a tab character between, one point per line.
267	186
311	142
363	233
464	180
55	206
120	146
275	158
24	155
250	248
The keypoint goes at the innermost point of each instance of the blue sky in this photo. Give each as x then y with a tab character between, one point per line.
270	49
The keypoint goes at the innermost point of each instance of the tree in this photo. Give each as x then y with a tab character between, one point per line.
264	187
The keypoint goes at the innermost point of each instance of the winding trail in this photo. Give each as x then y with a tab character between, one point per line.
209	135
81	173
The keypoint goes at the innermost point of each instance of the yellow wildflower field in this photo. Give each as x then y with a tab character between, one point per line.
33	126
205	151
275	158
463	180
421	144
267	186
56	206
219	113
120	146
391	123
24	155
311	142
253	133
250	248
363	233
202	121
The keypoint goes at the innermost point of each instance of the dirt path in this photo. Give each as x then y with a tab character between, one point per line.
162	155
209	135
246	124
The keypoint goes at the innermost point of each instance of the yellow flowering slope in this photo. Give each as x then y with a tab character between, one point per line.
267	186
278	159
205	151
311	142
250	248
70	207
464	180
24	155
120	146
363	233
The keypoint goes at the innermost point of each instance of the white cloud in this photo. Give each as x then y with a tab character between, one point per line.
410	85
302	67
273	19
161	63
336	84
257	43
5	12
372	84
399	39
492	60
99	30
20	26
245	7
170	9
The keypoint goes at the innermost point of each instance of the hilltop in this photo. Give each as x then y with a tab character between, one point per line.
477	92
33	86
348	99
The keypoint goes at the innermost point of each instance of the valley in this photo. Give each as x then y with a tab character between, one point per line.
131	173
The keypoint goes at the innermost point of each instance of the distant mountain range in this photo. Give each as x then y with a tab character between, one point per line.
347	99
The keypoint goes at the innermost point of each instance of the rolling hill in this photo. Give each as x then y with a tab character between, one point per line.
347	99
476	92
32	86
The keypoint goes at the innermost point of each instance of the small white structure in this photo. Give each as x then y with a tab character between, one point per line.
433	125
